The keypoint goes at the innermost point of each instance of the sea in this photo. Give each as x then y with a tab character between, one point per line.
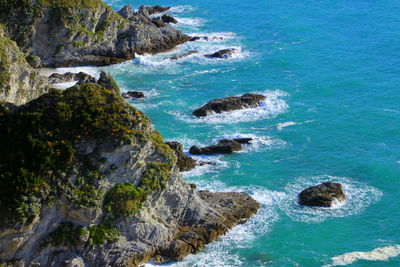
331	73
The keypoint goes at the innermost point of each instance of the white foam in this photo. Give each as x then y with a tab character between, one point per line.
214	36
282	125
181	9
217	164
273	106
63	86
190	21
378	254
359	196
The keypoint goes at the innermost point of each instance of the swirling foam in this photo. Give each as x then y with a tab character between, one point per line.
181	9
359	196
272	107
378	254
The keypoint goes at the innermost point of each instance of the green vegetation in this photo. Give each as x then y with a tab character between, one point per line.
156	176
102	233
41	140
123	200
66	234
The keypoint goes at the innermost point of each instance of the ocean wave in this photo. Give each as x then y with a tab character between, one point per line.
378	254
273	106
217	164
282	125
190	21
359	196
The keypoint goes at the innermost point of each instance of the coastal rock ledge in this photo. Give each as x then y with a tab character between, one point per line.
87	181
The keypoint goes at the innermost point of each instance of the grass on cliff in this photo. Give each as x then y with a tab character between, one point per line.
40	140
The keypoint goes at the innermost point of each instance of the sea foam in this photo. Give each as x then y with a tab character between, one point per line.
378	254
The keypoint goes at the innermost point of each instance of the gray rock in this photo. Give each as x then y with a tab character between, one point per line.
191	52
80	77
224	53
225	146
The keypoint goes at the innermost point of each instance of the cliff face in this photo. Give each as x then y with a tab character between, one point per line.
77	32
88	182
19	83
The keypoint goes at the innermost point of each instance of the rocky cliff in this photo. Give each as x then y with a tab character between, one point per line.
19	83
83	32
87	181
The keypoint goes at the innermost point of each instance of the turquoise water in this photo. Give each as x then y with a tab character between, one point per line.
330	70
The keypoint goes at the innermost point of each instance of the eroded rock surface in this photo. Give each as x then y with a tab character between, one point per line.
224	53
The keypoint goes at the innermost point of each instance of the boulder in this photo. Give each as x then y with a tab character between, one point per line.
133	94
156	9
158	22
184	55
185	163
168	19
205	38
225	146
229	104
322	195
224	53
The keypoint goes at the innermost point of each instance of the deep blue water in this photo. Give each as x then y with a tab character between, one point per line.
330	70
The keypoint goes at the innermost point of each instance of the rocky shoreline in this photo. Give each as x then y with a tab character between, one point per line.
87	181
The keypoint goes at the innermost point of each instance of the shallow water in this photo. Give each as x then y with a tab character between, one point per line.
330	72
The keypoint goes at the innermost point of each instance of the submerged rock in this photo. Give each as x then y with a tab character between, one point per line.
133	94
224	53
184	55
185	163
224	146
322	195
229	104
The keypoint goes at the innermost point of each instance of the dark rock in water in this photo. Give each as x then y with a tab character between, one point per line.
229	104
156	9
224	146
81	77
168	19
133	94
224	53
185	163
205	38
184	55
322	195
126	12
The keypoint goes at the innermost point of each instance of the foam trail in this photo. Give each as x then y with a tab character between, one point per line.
63	86
181	9
282	125
378	254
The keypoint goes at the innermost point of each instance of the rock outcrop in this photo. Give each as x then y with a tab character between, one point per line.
133	94
70	33
191	52
224	146
224	53
184	163
19	83
87	181
80	77
230	104
323	195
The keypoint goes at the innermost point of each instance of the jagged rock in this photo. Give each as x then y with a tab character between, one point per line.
108	82
133	94
19	83
224	146
81	77
168	19
229	104
34	61
184	55
322	195
93	34
156	9
185	163
158	22
126	12
224	53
